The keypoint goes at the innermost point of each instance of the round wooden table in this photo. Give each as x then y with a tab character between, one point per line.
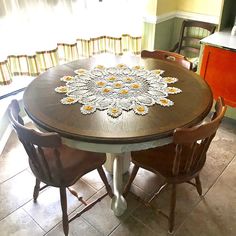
116	136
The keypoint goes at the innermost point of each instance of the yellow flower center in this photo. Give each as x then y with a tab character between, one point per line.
121	65
157	71
114	110
163	101
81	71
137	67
112	78
63	89
88	108
171	90
106	90
100	83
118	85
68	78
124	91
128	79
135	86
101	67
140	108
70	99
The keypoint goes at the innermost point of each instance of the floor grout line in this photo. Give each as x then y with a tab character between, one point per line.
223	171
215	182
33	220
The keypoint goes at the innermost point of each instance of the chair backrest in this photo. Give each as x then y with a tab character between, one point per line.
168	56
36	144
193	143
190	35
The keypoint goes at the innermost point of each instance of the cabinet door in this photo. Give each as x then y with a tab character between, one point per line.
219	70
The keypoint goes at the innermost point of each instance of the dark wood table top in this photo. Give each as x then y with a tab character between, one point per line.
43	105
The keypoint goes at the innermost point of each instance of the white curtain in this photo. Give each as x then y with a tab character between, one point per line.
28	27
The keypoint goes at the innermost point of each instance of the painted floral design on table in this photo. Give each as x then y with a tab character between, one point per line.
117	89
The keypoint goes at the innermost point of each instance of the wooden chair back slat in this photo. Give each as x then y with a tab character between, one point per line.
35	144
202	29
197	141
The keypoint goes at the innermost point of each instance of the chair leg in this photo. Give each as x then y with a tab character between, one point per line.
65	221
130	181
104	179
172	208
198	185
36	189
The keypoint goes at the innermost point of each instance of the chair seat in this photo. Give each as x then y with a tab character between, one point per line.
160	160
75	163
194	60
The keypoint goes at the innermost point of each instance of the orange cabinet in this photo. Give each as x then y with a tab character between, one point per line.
219	70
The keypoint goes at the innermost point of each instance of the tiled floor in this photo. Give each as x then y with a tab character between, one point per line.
213	214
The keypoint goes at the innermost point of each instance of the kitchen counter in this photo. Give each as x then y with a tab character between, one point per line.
222	39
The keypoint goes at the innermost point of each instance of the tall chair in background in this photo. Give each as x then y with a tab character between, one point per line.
168	56
56	164
189	41
180	161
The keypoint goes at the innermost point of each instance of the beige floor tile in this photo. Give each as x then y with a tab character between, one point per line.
47	211
152	218
94	180
15	192
19	223
130	227
147	181
13	158
187	199
216	214
76	228
102	217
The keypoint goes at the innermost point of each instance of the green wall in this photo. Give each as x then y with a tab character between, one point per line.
163	35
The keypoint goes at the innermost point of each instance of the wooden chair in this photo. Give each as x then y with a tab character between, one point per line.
180	161
189	41
168	56
56	164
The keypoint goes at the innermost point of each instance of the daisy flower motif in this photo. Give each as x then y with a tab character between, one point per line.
67	78
135	86
140	109
62	89
169	80
124	91
114	111
158	72
121	65
173	90
128	79
87	109
69	100
111	79
100	67
80	71
117	85
101	83
165	102
137	67
106	90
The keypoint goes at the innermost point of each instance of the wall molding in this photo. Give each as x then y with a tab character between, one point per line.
181	14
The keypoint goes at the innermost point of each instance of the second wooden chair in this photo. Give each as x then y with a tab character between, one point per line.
55	164
180	161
